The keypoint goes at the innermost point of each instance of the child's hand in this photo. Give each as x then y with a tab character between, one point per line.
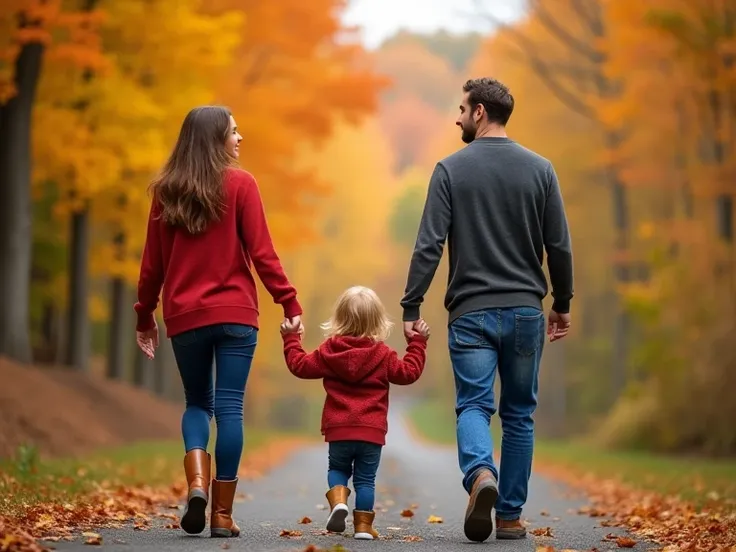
422	328
292	326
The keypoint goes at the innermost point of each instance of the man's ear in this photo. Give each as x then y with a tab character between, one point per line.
478	112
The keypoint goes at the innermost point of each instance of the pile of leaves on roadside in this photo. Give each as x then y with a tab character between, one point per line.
50	518
672	523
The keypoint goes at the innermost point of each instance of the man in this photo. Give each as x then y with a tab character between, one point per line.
500	207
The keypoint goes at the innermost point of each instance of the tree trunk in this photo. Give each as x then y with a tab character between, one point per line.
78	341
15	206
142	369
119	334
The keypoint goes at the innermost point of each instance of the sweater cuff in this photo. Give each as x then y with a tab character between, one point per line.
411	314
145	322
561	306
419	339
292	308
291	337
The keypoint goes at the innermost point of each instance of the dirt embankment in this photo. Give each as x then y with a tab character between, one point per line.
64	413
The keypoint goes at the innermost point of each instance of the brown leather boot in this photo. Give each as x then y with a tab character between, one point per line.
337	496
478	521
221	522
197	464
363	524
510	529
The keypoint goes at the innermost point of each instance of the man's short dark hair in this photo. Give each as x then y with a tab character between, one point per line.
495	97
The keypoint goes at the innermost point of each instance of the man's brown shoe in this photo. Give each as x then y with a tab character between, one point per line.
337	496
363	525
221	518
510	529
478	521
197	465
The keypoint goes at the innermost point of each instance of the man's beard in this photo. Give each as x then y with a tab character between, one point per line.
468	134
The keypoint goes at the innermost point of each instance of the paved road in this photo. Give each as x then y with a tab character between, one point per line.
410	473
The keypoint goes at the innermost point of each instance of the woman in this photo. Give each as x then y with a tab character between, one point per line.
206	225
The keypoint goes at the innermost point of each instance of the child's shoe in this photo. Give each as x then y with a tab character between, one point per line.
337	496
363	523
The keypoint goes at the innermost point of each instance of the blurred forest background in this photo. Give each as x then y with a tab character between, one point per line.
634	103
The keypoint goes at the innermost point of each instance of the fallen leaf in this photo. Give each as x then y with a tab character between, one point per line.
93	539
412	538
544	513
542	532
625	542
395	528
407	513
171	526
290	533
414	506
225	546
434	519
305	520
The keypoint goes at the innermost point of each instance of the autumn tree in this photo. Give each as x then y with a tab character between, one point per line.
563	42
29	31
675	62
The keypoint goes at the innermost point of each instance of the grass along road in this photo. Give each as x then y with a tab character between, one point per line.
697	480
27	481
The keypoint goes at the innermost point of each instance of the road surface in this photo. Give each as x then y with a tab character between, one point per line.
411	473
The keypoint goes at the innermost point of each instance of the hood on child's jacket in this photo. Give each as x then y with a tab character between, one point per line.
353	358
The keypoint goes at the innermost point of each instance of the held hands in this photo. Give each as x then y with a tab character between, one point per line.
416	327
558	325
292	325
148	341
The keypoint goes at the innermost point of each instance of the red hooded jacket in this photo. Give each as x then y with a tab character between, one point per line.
356	373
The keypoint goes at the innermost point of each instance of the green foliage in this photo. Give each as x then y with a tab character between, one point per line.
457	49
406	215
26	460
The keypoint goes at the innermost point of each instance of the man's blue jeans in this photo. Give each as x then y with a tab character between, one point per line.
231	347
510	341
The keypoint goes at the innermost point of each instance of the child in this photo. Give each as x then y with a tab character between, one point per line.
356	367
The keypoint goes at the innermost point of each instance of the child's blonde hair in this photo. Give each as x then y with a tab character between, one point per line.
359	312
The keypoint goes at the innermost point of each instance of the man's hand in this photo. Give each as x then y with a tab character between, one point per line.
292	325
148	341
558	325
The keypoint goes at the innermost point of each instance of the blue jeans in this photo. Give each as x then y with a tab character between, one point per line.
359	459
231	347
509	340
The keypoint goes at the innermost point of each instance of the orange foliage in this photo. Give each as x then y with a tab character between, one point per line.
290	82
24	21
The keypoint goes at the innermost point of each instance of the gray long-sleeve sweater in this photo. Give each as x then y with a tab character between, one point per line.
499	206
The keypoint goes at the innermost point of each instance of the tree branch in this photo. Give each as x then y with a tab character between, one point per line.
574	44
257	67
543	71
581	9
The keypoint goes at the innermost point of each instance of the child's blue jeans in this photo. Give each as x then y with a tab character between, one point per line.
360	460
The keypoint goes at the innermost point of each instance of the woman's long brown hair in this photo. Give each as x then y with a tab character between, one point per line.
189	188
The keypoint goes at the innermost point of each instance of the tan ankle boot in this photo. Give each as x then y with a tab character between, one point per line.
510	529
337	496
197	465
221	522
363	524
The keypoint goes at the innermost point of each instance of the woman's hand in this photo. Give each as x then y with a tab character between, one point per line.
148	341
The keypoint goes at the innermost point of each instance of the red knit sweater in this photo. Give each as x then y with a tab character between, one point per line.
356	374
207	278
